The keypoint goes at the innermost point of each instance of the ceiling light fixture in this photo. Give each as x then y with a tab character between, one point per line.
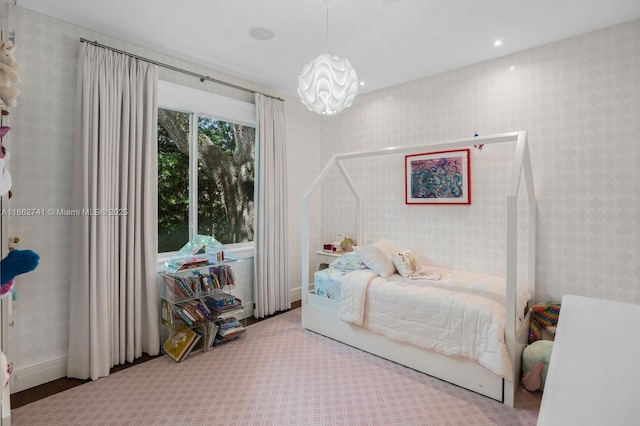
328	84
497	43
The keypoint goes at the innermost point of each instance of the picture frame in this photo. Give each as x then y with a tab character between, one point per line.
442	177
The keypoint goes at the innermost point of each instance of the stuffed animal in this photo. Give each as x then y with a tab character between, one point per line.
17	261
9	68
543	315
535	363
5	176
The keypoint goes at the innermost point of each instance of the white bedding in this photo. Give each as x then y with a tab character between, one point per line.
456	313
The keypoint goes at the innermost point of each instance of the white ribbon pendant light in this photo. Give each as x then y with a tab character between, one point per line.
328	84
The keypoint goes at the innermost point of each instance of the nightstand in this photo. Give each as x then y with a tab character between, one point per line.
324	258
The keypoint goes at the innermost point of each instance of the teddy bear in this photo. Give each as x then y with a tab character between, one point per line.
9	68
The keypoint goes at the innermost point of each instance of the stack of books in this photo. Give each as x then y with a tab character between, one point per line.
228	329
223	303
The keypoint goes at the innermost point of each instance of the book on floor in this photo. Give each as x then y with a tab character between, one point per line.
180	343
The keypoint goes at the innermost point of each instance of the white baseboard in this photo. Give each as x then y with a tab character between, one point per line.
30	376
296	294
23	378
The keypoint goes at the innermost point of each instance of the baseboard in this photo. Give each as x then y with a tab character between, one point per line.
24	378
296	294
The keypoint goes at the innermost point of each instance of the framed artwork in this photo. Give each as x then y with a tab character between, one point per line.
438	178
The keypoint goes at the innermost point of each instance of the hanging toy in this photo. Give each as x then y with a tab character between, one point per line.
17	261
8	74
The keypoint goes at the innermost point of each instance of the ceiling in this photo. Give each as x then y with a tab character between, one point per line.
387	41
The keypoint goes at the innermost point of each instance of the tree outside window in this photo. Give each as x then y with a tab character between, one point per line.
224	180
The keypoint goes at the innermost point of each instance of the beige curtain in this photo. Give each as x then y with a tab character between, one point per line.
272	291
114	303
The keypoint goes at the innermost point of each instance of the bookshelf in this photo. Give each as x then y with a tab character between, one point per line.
200	309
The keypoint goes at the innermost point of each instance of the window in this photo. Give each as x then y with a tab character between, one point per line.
206	167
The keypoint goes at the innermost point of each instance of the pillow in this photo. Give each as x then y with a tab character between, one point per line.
378	257
406	263
348	262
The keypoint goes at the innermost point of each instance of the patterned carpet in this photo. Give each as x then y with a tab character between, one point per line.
278	374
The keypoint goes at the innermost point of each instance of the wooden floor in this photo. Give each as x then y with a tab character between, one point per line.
25	397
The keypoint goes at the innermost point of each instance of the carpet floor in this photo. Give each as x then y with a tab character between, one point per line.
277	374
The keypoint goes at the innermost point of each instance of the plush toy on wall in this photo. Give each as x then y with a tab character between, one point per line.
17	261
9	68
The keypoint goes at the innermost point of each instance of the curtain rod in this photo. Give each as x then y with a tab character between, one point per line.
171	67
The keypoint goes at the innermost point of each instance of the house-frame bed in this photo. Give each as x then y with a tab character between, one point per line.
320	314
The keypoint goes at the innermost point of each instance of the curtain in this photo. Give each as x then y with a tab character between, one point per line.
272	291
114	301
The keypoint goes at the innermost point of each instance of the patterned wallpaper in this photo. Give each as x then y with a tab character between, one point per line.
579	100
41	146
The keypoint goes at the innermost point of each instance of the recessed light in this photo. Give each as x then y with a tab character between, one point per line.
261	33
497	43
362	83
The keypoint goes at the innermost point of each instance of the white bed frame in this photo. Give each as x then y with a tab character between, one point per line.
319	314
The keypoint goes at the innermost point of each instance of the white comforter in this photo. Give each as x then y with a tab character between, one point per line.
456	313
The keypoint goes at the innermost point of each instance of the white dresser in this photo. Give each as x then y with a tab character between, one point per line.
594	370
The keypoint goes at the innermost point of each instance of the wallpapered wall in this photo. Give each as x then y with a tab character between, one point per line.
41	146
579	101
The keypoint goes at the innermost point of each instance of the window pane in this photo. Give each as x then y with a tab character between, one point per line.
226	165
173	180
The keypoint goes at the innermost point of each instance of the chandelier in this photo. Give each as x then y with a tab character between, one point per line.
328	84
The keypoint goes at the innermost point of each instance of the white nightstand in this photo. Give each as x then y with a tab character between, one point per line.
324	258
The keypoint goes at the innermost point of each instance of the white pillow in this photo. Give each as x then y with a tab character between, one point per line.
348	262
406	263
378	257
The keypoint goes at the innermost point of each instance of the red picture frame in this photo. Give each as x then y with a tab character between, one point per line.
442	177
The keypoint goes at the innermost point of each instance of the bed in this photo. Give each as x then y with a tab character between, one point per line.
368	331
409	309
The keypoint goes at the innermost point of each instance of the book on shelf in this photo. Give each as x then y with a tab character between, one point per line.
227	323
195	262
209	331
180	343
167	313
200	309
171	286
193	344
187	319
220	300
231	331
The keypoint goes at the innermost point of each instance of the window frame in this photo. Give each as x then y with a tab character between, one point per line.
199	103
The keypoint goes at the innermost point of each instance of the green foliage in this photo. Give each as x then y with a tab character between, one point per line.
225	180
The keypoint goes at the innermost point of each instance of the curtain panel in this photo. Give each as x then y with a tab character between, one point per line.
272	290
114	302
